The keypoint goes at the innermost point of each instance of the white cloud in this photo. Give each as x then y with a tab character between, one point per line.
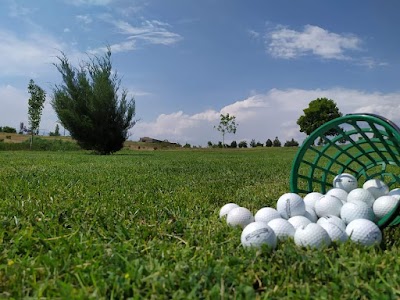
153	32
287	43
115	48
86	19
265	116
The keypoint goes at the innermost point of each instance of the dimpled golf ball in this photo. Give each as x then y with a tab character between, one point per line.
377	187
282	228
239	216
312	235
226	209
338	193
328	205
395	193
289	205
334	220
257	234
298	221
356	210
360	194
345	182
335	232
266	214
364	232
384	205
310	214
311	198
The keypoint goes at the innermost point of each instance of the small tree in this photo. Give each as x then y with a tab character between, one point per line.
268	143
8	129
276	142
319	111
227	124
243	144
291	143
90	106
36	104
234	144
209	144
253	143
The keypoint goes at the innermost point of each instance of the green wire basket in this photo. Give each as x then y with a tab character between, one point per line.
364	145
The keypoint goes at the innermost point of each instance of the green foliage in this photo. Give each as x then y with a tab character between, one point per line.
319	111
253	143
56	131
36	104
187	145
243	144
268	143
276	142
145	225
8	129
291	143
233	144
90	105
227	124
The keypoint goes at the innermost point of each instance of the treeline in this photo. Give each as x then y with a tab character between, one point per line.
253	144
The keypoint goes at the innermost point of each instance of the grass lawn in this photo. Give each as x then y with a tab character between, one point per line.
144	225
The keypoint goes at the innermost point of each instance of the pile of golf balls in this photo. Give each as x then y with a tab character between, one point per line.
345	213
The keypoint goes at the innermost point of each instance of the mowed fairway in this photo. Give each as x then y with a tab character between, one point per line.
144	225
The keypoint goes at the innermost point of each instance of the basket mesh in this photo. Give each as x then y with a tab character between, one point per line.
366	146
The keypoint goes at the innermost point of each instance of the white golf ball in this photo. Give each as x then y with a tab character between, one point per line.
328	205
266	214
345	182
310	214
336	233
257	234
298	221
226	209
334	220
239	216
312	235
395	193
356	210
364	232
289	205
360	194
311	198
282	228
338	193
376	187
384	205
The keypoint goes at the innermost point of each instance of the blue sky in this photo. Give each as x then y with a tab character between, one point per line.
187	61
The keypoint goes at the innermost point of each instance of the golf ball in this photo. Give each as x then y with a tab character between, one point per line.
310	214
334	220
282	228
356	210
289	205
312	235
257	234
226	209
364	232
311	198
335	232
395	193
239	216
298	221
376	187
338	193
266	214
345	182
384	205
328	205
363	195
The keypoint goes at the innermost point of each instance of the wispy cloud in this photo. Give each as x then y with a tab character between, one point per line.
16	10
153	32
286	43
115	48
86	19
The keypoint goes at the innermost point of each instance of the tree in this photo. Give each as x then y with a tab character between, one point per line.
253	143
36	104
227	124
291	143
233	144
319	111
276	142
8	129
268	143
56	131
90	105
209	144
243	144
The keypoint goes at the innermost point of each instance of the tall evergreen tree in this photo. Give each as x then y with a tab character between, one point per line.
90	106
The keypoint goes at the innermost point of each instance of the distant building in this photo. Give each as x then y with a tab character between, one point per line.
147	139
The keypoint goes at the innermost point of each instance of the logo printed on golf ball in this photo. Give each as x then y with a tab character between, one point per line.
288	212
257	233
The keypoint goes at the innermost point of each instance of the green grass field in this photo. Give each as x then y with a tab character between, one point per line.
144	225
